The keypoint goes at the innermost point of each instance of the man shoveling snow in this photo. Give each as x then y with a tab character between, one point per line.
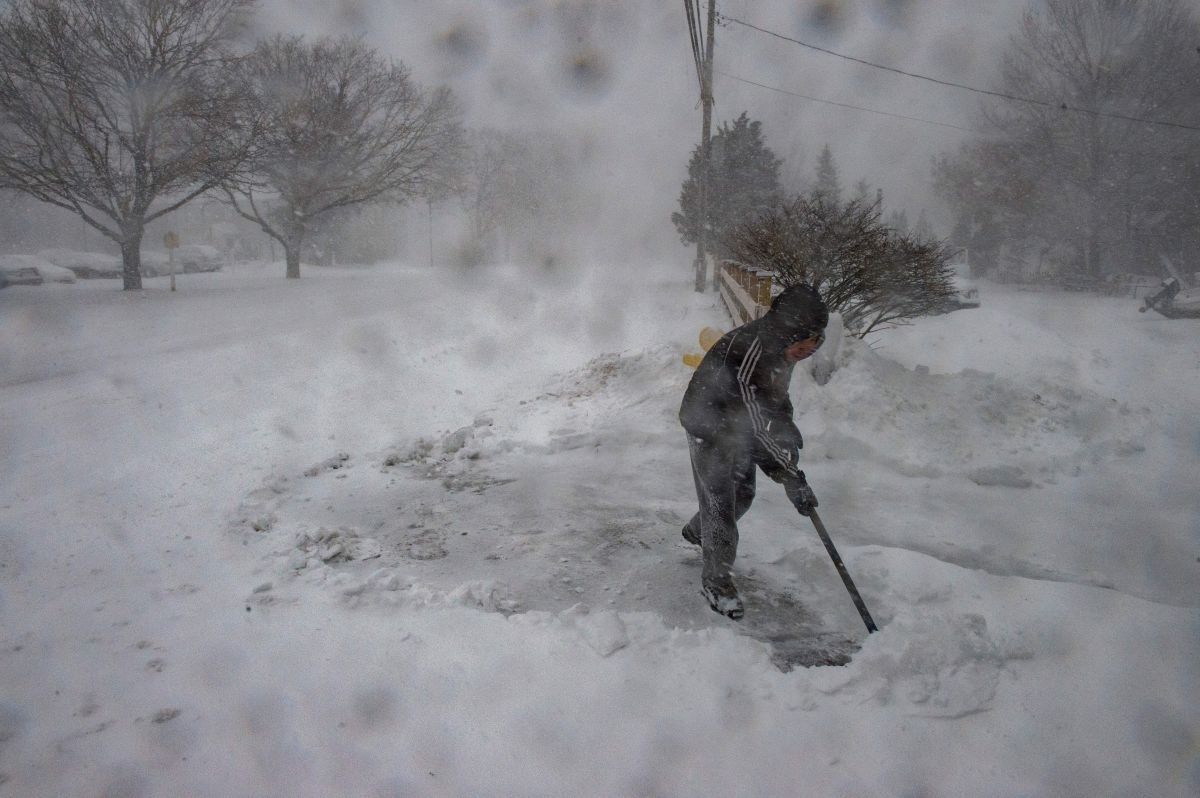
738	417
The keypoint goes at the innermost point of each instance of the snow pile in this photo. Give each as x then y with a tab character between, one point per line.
601	402
327	546
939	664
995	430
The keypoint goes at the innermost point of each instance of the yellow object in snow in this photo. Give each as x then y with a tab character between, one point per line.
708	337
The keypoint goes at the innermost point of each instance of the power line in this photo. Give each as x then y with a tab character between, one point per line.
847	105
952	84
694	34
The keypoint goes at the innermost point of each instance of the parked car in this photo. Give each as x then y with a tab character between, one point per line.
198	258
189	258
155	264
84	265
31	270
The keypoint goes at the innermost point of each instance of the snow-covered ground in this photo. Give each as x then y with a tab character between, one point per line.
393	531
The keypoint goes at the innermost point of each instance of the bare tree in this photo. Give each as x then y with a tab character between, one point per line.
1091	172
511	184
486	189
341	126
120	111
876	277
995	200
524	193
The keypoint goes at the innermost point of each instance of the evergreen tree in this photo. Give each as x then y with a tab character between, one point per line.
922	230
828	184
862	192
744	180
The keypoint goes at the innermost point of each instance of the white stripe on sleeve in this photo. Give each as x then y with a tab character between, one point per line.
761	433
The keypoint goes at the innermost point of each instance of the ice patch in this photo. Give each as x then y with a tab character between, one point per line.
387	587
1004	476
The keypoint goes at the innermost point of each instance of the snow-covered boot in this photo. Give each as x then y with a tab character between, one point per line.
723	598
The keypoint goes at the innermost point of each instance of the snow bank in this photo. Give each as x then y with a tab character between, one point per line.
997	429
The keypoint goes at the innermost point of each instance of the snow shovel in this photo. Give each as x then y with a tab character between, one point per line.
843	573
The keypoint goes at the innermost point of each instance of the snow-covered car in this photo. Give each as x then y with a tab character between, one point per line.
189	258
966	295
31	270
85	265
198	258
156	264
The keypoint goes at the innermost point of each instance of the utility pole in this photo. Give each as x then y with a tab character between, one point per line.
704	69
706	100
429	200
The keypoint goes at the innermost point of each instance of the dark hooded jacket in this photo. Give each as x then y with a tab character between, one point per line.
738	397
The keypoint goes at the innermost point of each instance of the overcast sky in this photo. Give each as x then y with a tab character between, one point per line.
620	76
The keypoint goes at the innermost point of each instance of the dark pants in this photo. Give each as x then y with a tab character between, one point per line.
725	487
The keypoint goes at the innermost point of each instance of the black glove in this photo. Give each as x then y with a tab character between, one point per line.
800	494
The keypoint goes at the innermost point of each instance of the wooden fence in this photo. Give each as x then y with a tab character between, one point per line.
745	292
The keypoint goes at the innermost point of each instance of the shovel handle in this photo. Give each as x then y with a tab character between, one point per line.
843	573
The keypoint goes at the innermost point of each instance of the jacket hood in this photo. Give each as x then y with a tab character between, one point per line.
797	313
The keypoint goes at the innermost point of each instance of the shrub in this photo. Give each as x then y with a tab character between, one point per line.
876	277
